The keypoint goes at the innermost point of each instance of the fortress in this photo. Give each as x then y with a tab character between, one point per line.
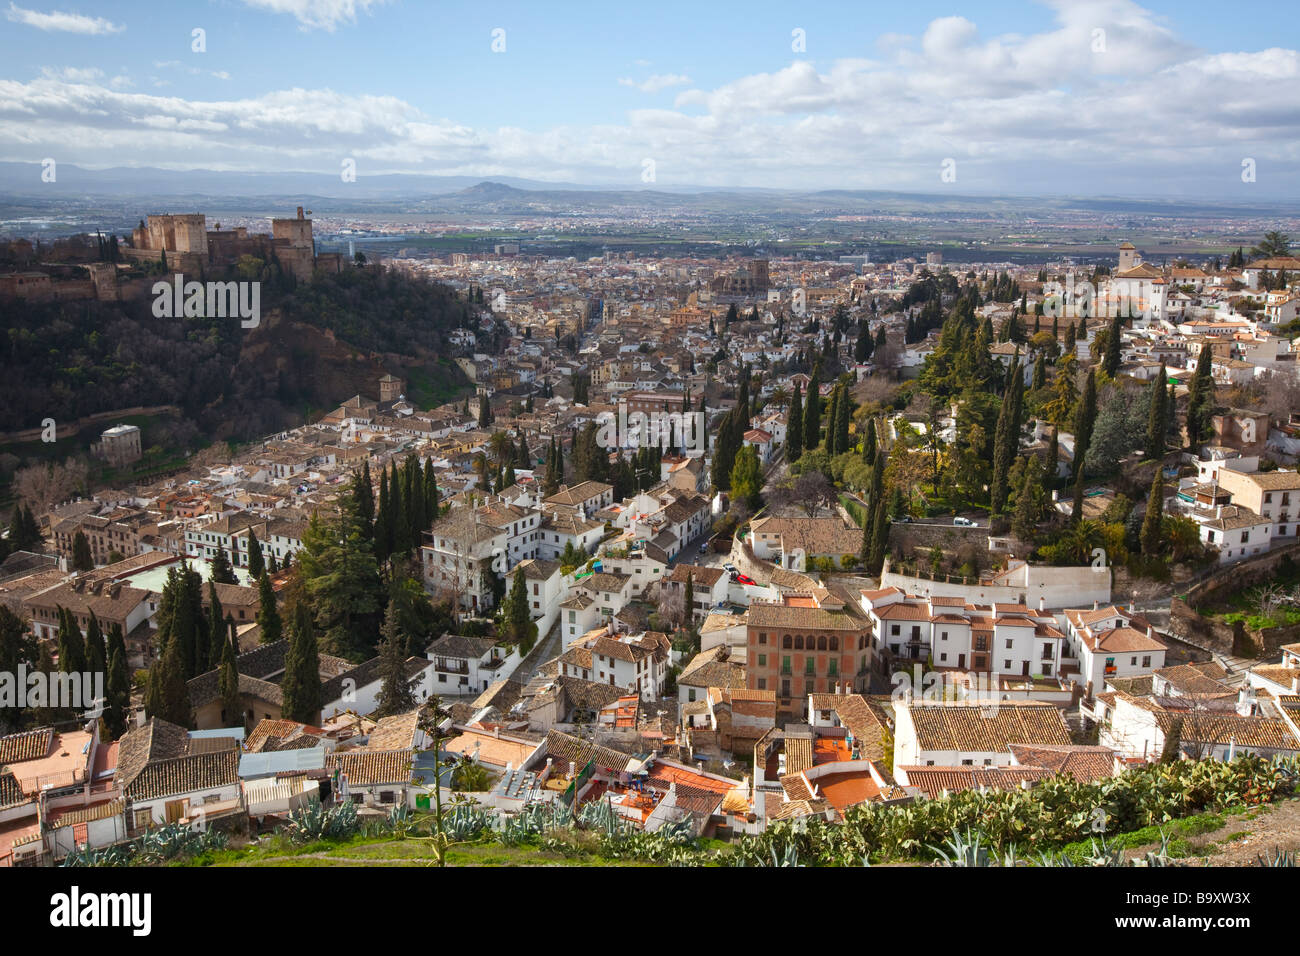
188	246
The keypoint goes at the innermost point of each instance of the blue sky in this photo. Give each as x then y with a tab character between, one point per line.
1169	99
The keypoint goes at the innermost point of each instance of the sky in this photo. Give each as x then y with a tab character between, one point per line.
1064	97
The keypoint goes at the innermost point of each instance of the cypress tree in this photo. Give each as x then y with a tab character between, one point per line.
256	560
869	442
81	557
812	414
690	599
232	707
384	520
211	657
118	683
1110	363
1153	522
1084	421
832	414
842	422
168	695
794	428
72	646
1156	426
301	687
430	492
268	614
96	652
222	572
397	691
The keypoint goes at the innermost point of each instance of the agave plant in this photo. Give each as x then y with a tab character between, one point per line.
465	821
317	822
964	849
1276	857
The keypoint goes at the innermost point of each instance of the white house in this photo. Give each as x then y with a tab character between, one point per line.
977	734
1108	643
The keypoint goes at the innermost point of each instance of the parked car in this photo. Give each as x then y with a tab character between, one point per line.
906	519
742	579
964	522
730	569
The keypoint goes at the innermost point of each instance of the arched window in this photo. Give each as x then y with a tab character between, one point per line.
835	643
798	642
786	642
821	642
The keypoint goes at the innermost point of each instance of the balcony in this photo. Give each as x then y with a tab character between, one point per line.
451	667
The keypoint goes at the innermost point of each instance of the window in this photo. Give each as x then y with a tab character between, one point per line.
762	683
787	642
1006	665
762	660
943	657
1008	643
1146	660
893	630
762	638
943	635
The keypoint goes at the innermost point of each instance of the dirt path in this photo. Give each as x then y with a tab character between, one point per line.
1242	839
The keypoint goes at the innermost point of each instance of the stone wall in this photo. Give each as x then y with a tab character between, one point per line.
1187	624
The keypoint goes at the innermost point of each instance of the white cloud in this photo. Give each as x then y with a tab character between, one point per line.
318	14
656	82
1040	112
62	22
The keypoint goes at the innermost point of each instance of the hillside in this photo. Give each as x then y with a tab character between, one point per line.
316	345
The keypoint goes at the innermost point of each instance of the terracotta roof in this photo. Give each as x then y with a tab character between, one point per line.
371	767
26	745
933	781
978	727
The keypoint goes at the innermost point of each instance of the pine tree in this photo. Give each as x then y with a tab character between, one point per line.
1153	522
256	560
794	428
81	557
301	686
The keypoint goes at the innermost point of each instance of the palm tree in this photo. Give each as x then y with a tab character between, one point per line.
1080	539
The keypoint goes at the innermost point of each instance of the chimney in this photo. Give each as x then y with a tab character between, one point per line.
300	212
1041	604
1094	604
